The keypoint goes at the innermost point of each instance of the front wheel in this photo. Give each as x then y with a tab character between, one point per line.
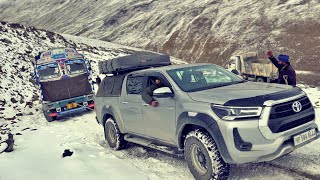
113	135
203	157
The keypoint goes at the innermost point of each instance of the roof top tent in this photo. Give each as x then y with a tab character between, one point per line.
136	61
64	77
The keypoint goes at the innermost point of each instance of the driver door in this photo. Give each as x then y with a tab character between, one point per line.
160	121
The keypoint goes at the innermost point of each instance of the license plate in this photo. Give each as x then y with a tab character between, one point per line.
72	105
303	137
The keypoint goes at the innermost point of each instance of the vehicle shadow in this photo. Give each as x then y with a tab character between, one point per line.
263	170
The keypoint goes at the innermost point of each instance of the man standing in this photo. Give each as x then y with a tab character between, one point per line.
287	74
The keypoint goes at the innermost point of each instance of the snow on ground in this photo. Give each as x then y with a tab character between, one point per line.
38	156
307	73
39	145
113	46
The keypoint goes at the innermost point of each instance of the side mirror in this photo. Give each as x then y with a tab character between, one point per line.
163	92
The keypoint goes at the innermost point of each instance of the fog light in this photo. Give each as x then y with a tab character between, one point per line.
85	103
58	109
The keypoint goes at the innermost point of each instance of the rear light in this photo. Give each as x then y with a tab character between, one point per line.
53	114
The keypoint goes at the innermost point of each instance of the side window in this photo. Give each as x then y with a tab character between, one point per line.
134	85
232	61
152	81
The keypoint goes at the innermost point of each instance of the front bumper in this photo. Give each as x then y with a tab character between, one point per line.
261	149
59	108
252	140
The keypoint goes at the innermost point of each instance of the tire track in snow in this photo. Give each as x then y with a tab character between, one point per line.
295	171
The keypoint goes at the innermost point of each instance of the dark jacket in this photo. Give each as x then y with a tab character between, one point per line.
37	56
285	71
98	80
148	93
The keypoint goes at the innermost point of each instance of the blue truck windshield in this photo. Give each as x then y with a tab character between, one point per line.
48	71
76	66
203	77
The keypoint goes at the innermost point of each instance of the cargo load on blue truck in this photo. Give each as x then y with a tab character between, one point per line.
65	82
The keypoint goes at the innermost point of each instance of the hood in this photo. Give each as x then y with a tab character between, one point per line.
245	94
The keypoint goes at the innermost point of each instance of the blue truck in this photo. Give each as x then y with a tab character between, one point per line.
64	78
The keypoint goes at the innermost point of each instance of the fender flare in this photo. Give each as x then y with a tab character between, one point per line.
109	112
207	123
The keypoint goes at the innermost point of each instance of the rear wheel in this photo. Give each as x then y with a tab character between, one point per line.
113	136
203	157
260	79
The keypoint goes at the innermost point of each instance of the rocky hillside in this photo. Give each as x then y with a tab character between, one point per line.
18	46
206	31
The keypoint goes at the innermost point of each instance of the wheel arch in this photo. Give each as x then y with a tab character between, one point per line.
107	113
205	123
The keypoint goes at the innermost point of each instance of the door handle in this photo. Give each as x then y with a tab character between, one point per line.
124	102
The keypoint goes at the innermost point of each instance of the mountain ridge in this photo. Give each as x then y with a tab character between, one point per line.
197	31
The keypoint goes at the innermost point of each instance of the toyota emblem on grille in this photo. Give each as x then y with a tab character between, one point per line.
296	106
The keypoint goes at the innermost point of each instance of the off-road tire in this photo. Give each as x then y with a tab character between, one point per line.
113	135
260	79
203	157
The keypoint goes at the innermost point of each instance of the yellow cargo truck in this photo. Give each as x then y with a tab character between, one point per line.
251	67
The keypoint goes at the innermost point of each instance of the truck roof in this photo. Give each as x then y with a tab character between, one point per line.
59	54
171	67
111	85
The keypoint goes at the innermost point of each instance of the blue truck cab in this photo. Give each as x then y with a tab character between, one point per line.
65	82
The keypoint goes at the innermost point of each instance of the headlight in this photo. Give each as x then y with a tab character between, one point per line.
232	113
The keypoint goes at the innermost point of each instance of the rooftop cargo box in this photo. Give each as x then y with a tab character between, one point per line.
136	61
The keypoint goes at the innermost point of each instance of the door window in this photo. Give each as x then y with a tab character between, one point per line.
134	85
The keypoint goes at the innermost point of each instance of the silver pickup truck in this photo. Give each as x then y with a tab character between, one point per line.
207	114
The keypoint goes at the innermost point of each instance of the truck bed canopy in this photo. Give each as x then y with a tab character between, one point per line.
111	86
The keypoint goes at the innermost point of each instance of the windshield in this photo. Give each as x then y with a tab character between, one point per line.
203	77
251	58
75	66
48	71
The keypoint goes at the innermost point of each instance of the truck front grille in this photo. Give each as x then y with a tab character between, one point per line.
285	109
283	117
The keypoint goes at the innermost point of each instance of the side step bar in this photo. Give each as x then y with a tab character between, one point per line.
150	144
